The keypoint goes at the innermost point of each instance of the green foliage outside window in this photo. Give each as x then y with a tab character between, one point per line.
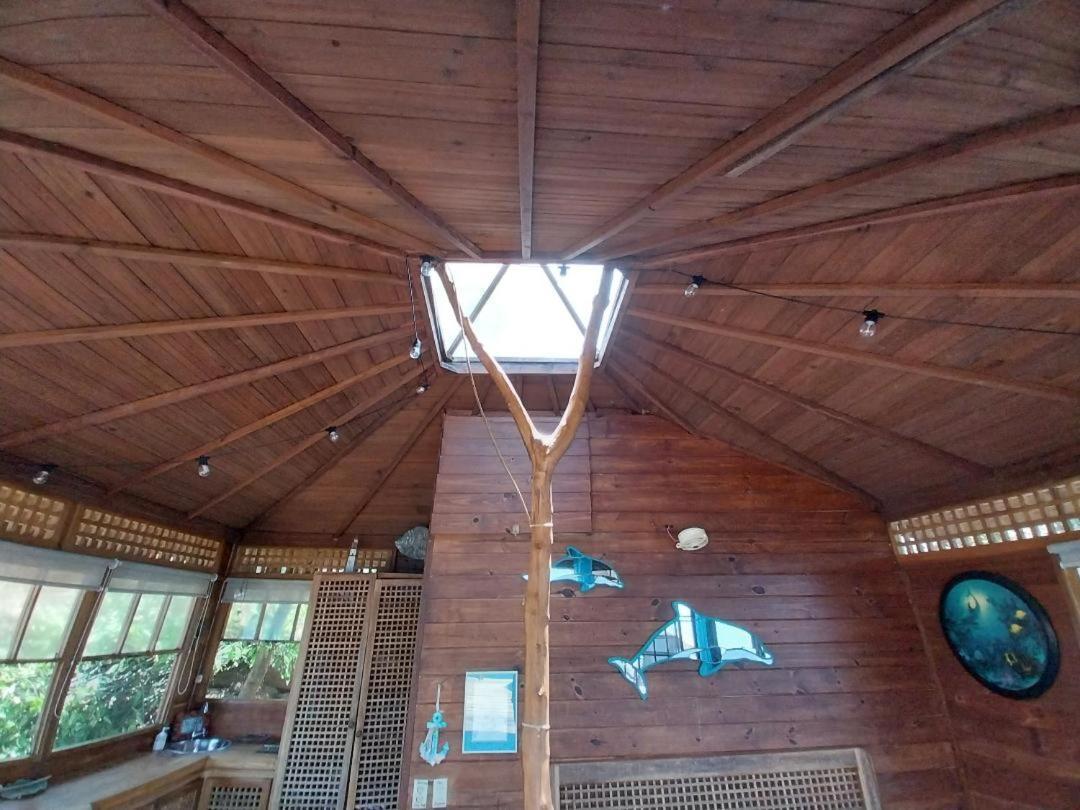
24	689
253	670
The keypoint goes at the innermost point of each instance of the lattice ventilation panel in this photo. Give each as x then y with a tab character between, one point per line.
317	745
301	561
385	700
814	780
1043	512
30	517
108	534
231	794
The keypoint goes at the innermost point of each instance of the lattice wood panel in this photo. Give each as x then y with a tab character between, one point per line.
378	760
1042	512
821	780
235	794
30	517
108	534
303	561
313	766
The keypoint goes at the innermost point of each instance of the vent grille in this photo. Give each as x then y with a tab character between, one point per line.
107	534
385	700
231	794
31	518
1044	512
303	561
817	780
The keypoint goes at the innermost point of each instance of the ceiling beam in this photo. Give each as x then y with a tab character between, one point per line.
177	395
1010	133
968	466
553	395
82	334
980	378
72	97
1027	191
269	419
478	307
802	464
387	469
96	164
562	297
341	421
528	47
616	370
921	37
76	246
226	55
1064	290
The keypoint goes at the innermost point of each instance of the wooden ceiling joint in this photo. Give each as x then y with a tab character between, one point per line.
814	289
528	48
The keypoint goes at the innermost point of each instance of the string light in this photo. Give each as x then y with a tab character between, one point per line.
562	270
422	387
332	434
693	286
869	324
427	266
41	476
203	466
416	348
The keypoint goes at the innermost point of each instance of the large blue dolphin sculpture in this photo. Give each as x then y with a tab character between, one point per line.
691	635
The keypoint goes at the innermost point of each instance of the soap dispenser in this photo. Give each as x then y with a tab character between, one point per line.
161	739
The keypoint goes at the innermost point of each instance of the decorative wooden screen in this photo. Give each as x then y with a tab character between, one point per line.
317	744
108	534
235	794
304	561
1051	511
817	780
30	517
377	762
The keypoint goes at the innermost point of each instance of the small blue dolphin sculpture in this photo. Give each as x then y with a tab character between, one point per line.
587	571
691	635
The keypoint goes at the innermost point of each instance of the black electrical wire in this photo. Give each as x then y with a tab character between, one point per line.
853	311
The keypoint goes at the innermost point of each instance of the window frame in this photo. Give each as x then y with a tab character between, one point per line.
13	657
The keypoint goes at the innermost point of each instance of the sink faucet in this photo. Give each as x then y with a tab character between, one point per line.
200	732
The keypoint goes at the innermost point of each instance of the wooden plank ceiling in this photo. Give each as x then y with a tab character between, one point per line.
207	209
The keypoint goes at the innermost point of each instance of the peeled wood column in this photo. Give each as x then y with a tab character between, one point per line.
545	451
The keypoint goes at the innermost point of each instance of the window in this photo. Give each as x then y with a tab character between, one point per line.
258	650
531	317
120	682
34	625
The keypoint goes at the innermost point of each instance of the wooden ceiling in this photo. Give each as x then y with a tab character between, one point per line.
206	211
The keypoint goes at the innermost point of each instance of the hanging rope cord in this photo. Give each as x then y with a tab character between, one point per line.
480	407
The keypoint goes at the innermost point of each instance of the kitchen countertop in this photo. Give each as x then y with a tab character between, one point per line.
80	793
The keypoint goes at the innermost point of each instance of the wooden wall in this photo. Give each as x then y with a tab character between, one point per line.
803	565
1020	754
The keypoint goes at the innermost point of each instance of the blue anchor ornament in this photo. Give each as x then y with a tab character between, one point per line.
430	751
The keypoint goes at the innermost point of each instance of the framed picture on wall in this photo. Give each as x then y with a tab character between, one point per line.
1000	633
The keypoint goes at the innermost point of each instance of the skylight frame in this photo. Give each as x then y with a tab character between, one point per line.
517	365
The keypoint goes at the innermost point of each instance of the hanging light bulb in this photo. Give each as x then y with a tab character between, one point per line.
422	387
415	349
42	475
693	286
332	434
427	266
203	466
869	324
562	270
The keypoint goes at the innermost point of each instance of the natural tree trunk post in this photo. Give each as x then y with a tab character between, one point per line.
544	450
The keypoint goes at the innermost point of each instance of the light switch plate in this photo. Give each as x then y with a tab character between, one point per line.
419	794
439	789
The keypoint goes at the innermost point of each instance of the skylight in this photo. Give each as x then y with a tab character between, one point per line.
532	317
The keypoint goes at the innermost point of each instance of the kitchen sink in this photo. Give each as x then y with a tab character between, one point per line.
203	745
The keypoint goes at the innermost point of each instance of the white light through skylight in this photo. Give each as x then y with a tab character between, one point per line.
523	319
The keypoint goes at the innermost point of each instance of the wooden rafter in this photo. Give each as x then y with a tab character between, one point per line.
69	95
226	439
222	52
1010	133
80	334
562	297
355	412
1027	191
797	460
918	39
631	381
970	467
96	164
528	45
980	378
1065	290
478	307
387	469
177	395
553	395
631	400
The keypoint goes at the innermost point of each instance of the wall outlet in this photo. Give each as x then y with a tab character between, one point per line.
439	790
420	794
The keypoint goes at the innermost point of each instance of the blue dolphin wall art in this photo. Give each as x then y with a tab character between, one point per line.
586	571
691	635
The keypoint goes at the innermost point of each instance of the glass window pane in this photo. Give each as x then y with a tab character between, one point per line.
301	617
13	596
144	622
278	621
253	670
47	629
23	691
111	696
243	620
176	619
108	624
